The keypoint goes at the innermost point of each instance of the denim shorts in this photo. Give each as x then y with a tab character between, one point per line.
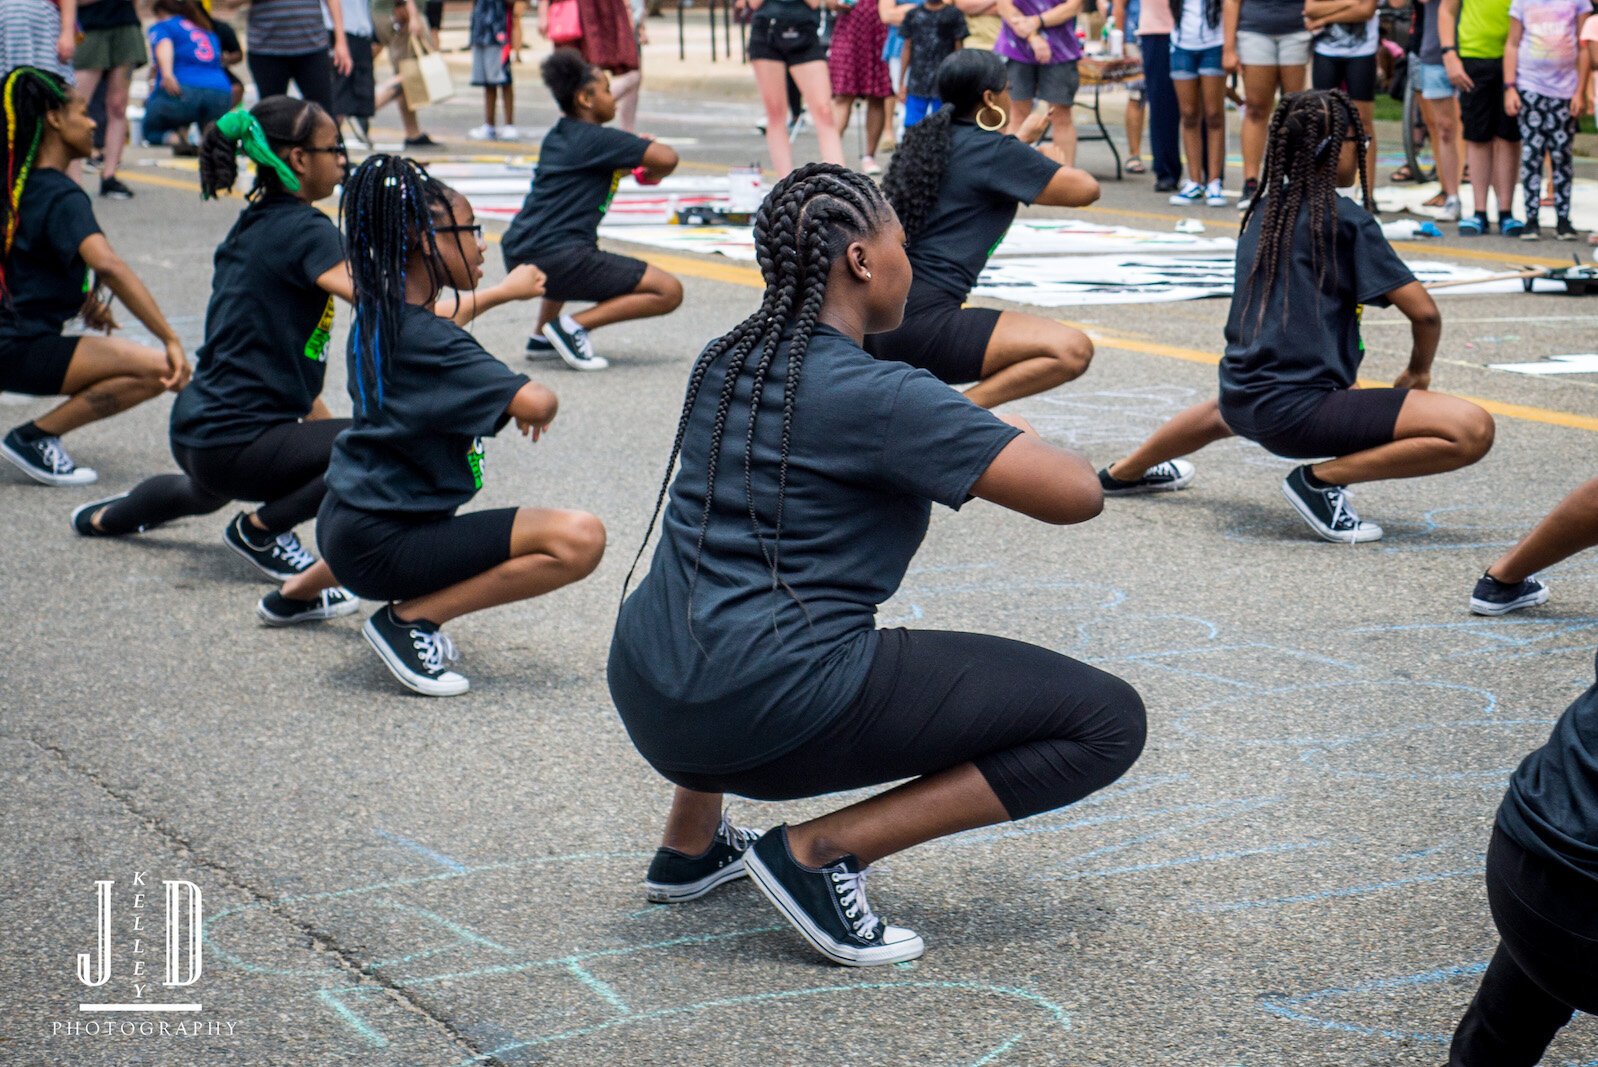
1434	83
1186	65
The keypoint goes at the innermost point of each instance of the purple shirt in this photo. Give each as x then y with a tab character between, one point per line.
1062	39
1546	64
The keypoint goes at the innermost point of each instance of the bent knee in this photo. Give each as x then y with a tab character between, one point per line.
670	291
580	542
1477	433
1131	732
1075	354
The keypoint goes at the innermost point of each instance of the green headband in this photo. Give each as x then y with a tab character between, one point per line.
244	130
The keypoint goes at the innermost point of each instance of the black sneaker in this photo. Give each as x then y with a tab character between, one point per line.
83	517
1161	478
275	609
1564	231
675	877
45	461
112	189
1492	597
1531	231
421	140
279	558
1165	185
415	653
1251	188
828	906
1328	510
572	345
538	347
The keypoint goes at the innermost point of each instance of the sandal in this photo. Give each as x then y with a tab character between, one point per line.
1402	174
1440	200
1134	165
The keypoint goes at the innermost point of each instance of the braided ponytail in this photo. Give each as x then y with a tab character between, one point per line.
27	95
806	222
285	121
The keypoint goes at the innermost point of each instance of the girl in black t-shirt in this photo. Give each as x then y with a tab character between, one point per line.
426	394
748	660
580	164
54	264
956	182
1308	260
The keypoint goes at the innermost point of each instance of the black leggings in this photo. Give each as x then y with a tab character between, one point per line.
1044	729
284	467
1546	966
312	72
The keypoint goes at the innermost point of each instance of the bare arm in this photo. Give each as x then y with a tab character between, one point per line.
1511	65
1230	10
1061	13
163	59
1448	37
1040	481
1069	187
892	14
341	47
318	411
120	279
336	280
659	161
1324	12
977	7
533	407
67	43
1583	102
523	283
1426	329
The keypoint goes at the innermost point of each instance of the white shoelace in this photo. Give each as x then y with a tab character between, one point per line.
55	457
1161	470
736	836
1342	509
434	647
851	889
287	548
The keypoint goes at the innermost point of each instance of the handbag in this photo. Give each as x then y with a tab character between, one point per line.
424	76
565	25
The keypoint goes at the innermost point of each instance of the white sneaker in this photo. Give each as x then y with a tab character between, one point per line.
506	133
869	166
572	344
1190	193
1214	195
484	132
1451	209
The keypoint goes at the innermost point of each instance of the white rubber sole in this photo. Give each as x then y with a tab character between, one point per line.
661	893
572	359
417	683
843	955
81	476
1487	607
1366	533
319	614
1171	486
266	572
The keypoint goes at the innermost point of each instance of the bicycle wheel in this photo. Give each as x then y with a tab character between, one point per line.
1417	139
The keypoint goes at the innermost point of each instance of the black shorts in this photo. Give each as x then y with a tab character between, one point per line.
580	272
398	555
1045	730
1346	421
354	93
938	335
36	365
1481	110
786	41
434	11
1354	74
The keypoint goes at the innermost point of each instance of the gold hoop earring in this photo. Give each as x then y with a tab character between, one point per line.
1004	119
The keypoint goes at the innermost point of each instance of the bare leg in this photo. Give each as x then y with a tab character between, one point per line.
876	122
842	109
490	97
1188	102
391	93
1063	130
626	89
815	84
771	79
1134	128
1259	94
508	91
106	375
1213	91
548	549
1028	354
1505	169
307	584
1442	121
927	808
1185	433
548	311
1020	110
1570	528
691	823
1435	433
658	293
118	83
1480	157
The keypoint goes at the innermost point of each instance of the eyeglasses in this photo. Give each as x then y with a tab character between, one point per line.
475	229
337	149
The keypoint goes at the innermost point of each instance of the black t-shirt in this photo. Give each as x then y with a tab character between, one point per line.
226	36
47	277
107	15
932	36
790	11
1274	17
1276	370
873	444
579	167
422	449
266	327
988	176
1551	809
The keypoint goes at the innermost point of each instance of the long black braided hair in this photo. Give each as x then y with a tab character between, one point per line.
389	210
1303	147
287	121
801	229
915	176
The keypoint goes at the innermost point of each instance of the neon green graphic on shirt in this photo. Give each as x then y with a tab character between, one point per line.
615	180
316	346
474	460
1359	318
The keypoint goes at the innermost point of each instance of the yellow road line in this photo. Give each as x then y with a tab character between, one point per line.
731	273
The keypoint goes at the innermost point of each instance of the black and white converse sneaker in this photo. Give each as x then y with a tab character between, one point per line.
279	558
275	609
1161	478
1492	597
828	906
45	461
1328	511
538	347
676	877
415	653
572	344
83	516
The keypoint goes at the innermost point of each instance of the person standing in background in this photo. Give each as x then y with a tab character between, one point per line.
191	85
1040	47
1541	83
495	39
111	49
1473	36
289	43
1153	26
1267	41
354	92
858	71
395	22
784	41
982	23
1439	105
932	32
38	33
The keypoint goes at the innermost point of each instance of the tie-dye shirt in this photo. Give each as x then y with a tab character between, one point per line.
1546	63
